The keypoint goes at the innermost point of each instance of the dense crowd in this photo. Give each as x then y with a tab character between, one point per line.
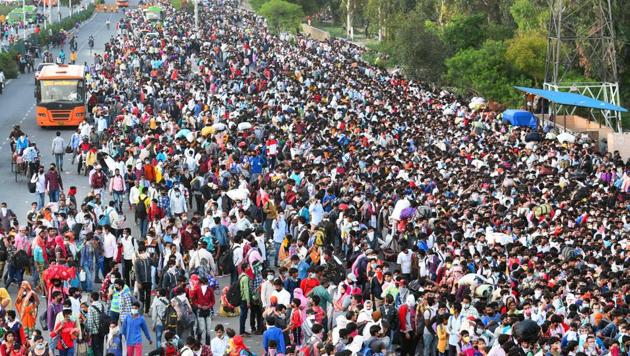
356	212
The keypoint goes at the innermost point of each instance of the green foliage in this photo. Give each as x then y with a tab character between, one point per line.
529	15
8	64
282	15
485	71
6	8
465	31
526	52
311	7
379	54
256	4
420	52
184	5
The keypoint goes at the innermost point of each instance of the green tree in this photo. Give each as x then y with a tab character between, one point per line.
526	52
465	31
282	15
420	52
311	7
529	15
485	71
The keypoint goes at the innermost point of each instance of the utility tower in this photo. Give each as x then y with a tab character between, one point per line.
581	44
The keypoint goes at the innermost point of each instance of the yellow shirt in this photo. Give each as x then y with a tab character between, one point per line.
5	299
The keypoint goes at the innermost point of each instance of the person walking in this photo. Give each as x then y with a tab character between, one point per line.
117	188
67	331
142	271
54	184
244	283
97	320
203	300
58	150
132	328
39	179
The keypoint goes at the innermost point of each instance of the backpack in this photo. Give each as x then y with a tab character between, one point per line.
170	318
187	318
233	295
103	321
20	259
105	220
141	209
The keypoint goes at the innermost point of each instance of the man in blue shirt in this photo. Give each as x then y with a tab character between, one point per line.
273	333
132	328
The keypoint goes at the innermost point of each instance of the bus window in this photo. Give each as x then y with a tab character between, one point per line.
61	91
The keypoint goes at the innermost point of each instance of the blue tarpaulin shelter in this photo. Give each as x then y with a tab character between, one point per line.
520	118
572	99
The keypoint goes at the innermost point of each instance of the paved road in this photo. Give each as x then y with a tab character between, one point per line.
18	105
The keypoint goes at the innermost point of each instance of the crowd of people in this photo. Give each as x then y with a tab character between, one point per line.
356	212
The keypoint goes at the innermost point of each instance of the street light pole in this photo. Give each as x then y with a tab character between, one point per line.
24	17
196	15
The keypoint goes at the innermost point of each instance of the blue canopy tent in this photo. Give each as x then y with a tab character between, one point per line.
572	99
520	118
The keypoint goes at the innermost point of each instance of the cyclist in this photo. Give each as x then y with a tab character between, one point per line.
91	42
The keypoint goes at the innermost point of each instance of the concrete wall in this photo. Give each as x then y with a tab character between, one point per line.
577	124
619	142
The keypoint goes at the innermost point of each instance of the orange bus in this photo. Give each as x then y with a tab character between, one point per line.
60	95
122	3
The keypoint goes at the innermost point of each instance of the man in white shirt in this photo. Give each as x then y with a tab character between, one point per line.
199	254
242	222
219	343
284	297
129	252
317	213
404	260
110	248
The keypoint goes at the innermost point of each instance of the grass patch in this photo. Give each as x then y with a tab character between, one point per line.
334	30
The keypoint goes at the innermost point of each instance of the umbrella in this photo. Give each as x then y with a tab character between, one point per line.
243	126
407	213
565	137
238	194
219	126
343	206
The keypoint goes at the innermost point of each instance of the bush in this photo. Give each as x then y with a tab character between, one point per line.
282	15
8	64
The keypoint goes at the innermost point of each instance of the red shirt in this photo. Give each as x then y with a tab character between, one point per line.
308	284
203	300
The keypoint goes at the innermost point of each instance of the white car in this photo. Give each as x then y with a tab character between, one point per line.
40	67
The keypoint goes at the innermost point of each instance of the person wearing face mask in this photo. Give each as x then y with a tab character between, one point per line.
39	179
266	289
203	299
39	347
121	303
281	294
307	284
133	326
407	321
178	204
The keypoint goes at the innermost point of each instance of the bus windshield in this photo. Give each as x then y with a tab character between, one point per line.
67	90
